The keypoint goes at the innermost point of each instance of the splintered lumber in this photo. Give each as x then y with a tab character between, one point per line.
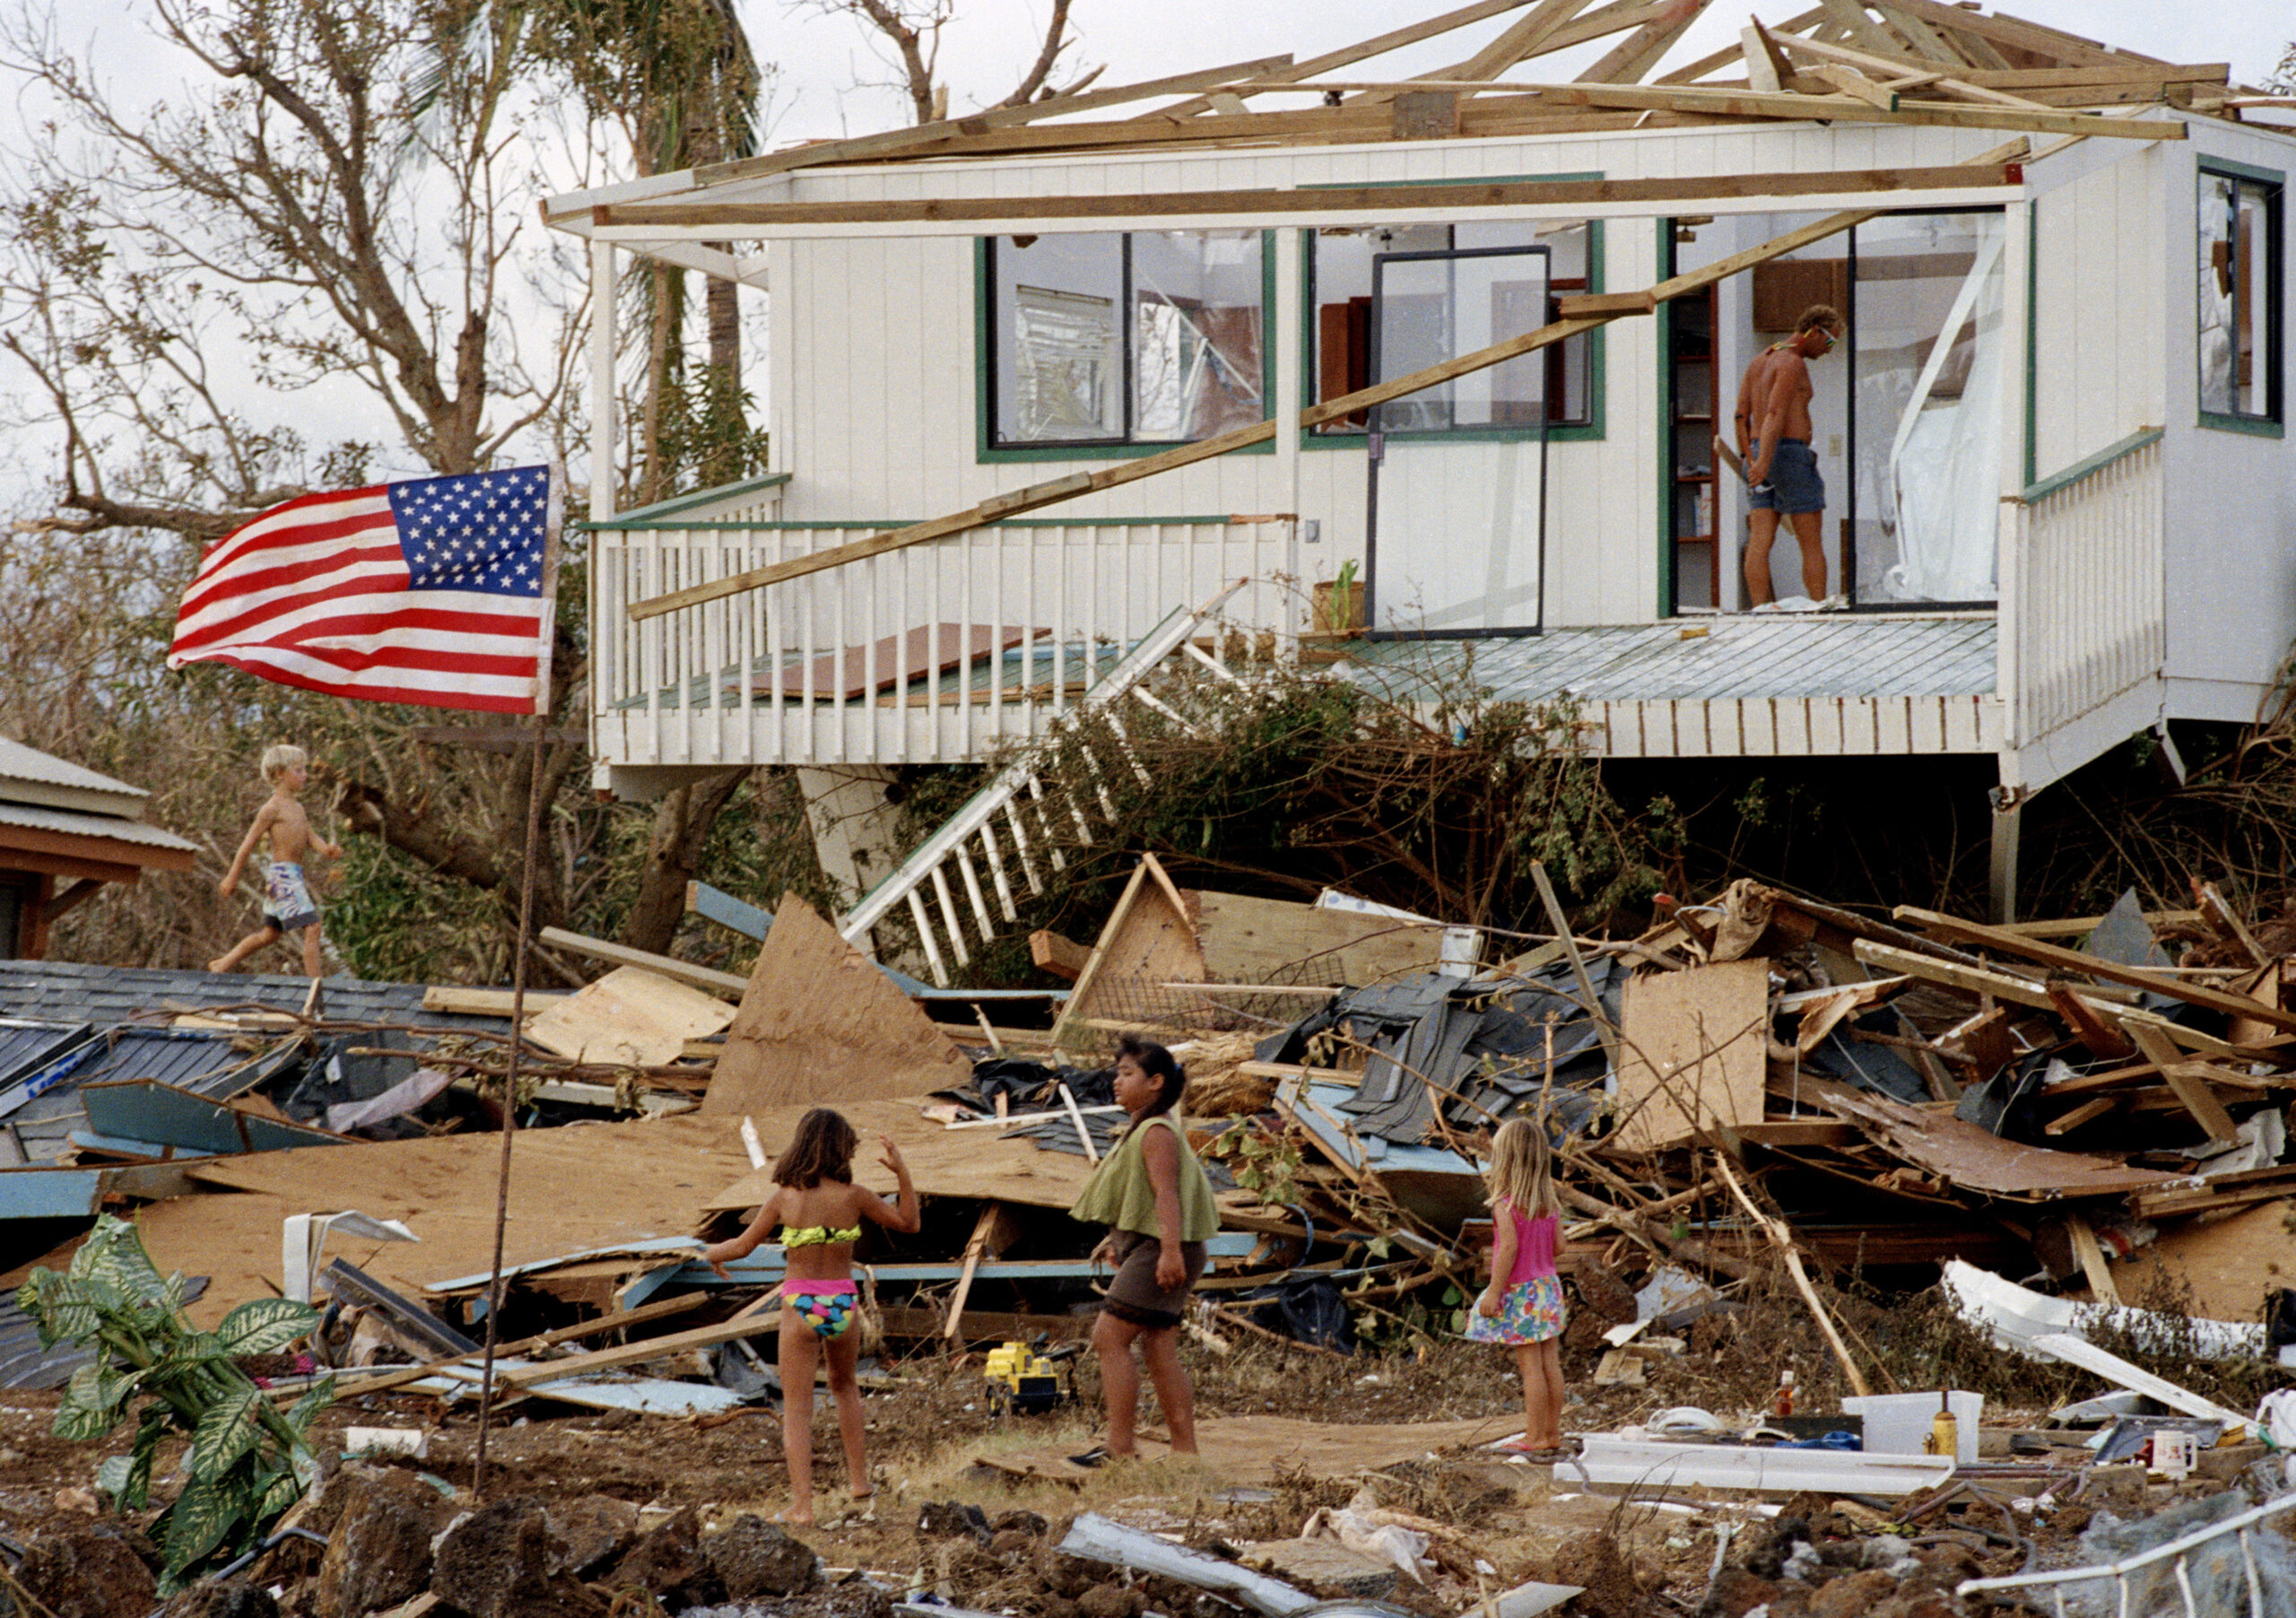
701	977
400	1376
820	1024
1748	103
1039	495
638	1353
1058	954
1348	55
2092	1260
2190	1088
1149	937
1783	1240
2057	958
983	1231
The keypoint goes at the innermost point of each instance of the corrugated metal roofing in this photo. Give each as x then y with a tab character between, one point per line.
72	822
19	762
68	991
1739	656
24	1363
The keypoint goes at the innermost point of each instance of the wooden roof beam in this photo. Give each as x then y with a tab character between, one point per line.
1059	489
1348	55
1924	39
1867	64
896	143
1640	52
1326	201
2015	32
1767	67
1723	58
1615	18
1731	103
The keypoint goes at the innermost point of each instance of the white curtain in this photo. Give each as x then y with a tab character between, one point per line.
1945	459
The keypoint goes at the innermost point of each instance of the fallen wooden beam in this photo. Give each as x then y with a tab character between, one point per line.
356	1382
2058	959
1783	1240
1054	953
700	977
634	1353
2198	1099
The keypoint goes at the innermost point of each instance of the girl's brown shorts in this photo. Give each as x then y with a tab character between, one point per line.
1133	1295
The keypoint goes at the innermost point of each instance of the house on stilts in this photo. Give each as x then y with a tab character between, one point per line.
1047	381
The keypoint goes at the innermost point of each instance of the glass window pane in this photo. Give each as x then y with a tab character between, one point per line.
2217	302
1433	309
1195	334
1059	369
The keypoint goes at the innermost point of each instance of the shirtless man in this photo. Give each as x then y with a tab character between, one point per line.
1774	439
288	906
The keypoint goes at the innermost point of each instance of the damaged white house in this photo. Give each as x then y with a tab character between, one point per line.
1044	378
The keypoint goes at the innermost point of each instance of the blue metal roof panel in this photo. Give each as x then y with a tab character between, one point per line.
68	991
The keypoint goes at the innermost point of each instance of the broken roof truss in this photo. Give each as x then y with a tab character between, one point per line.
1903	61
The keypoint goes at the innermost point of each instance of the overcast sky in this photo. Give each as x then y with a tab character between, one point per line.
992	42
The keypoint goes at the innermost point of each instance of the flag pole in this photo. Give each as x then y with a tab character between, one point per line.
547	631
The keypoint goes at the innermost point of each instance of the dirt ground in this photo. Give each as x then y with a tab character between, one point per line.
934	1437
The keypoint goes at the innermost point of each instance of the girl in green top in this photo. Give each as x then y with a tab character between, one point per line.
1151	1194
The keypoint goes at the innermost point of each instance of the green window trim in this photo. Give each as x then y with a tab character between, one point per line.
2272	423
989	452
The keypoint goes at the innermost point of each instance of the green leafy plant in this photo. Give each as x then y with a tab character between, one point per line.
1263	1162
249	1459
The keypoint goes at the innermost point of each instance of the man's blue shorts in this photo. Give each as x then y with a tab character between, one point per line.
1794	485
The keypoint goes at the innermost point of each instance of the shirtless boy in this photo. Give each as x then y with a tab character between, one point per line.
1773	423
287	906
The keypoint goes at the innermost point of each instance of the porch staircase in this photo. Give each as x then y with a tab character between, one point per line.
1006	830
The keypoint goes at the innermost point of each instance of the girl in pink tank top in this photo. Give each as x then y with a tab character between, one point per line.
1522	1308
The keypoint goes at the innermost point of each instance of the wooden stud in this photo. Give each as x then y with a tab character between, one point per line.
2190	1090
2091	1260
2097	1036
975	1248
2058	959
2094	1108
1849	81
1767	67
1348	55
893	142
1640	52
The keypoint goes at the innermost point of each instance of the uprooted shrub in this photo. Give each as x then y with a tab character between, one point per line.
249	1459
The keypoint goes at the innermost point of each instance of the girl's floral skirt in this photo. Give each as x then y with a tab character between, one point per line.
1530	1311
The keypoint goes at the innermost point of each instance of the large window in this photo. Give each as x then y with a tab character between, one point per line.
1341	336
2240	298
1152	337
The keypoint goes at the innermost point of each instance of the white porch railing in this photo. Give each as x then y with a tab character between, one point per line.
934	654
2088	615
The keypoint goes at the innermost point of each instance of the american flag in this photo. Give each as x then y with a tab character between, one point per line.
435	591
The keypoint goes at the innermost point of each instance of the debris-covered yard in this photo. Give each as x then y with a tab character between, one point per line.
1826	1176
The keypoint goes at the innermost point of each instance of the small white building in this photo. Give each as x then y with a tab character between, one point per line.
2063	270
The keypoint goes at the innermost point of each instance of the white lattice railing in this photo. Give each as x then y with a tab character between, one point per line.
934	654
2088	613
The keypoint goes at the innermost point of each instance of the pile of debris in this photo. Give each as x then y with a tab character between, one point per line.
1760	1092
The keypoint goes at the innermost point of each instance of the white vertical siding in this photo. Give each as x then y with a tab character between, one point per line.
2097	354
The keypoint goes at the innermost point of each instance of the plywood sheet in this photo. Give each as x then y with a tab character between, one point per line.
1247	940
1693	1049
969	1164
629	1015
573	1189
2229	1262
820	1025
